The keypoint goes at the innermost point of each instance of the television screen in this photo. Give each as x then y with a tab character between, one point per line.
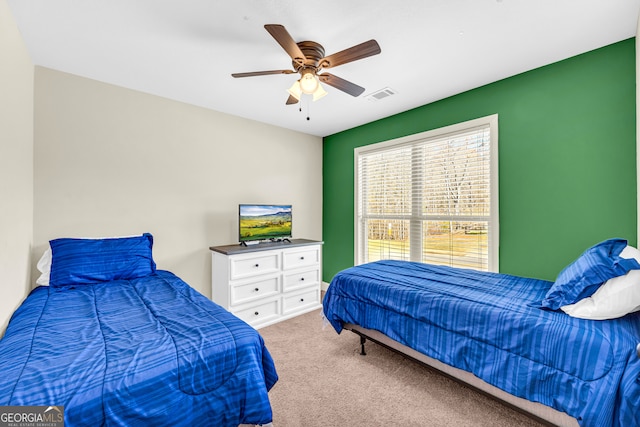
264	222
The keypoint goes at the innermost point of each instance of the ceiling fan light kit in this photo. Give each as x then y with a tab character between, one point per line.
307	84
307	58
308	81
319	93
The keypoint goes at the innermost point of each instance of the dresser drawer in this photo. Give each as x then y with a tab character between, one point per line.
259	313
300	258
249	291
301	300
241	267
300	279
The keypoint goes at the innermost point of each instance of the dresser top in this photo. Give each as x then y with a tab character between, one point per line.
256	247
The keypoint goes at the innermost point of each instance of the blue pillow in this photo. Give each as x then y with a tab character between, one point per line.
86	261
585	275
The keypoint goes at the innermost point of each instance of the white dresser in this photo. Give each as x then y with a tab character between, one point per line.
269	282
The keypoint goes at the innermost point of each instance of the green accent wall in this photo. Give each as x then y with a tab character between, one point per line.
567	160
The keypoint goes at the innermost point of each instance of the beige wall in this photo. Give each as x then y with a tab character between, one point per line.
112	161
16	166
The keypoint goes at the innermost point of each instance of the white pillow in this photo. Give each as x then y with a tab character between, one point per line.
615	298
630	252
44	267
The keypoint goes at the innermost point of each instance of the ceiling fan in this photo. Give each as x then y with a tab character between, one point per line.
308	59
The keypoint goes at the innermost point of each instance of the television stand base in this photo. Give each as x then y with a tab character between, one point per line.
250	242
257	242
282	240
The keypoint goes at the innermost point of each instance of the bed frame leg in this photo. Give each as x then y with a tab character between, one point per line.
362	341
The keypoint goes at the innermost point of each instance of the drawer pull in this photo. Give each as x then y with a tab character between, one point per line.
257	265
302	279
257	289
301	299
256	313
302	258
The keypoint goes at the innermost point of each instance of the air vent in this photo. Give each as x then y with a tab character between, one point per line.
381	94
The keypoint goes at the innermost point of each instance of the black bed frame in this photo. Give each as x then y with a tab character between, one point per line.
541	413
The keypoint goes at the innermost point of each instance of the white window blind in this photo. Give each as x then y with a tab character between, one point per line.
430	197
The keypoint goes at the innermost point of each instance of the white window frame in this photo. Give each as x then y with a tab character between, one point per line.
493	239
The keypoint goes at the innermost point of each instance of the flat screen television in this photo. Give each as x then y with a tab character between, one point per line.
264	222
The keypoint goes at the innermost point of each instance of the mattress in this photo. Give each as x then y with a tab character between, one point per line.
140	352
492	326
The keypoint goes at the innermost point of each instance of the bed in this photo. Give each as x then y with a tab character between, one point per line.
113	341
509	336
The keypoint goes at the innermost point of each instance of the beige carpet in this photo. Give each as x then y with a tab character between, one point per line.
324	381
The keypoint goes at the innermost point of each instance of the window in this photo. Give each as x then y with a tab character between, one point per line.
430	197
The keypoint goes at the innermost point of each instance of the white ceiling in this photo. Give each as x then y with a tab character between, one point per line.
186	50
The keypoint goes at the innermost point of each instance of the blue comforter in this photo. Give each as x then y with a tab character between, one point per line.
488	324
146	352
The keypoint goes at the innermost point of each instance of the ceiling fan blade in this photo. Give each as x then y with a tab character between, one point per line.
341	84
262	73
363	50
285	40
292	100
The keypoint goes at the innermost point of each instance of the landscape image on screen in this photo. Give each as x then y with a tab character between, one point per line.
264	222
